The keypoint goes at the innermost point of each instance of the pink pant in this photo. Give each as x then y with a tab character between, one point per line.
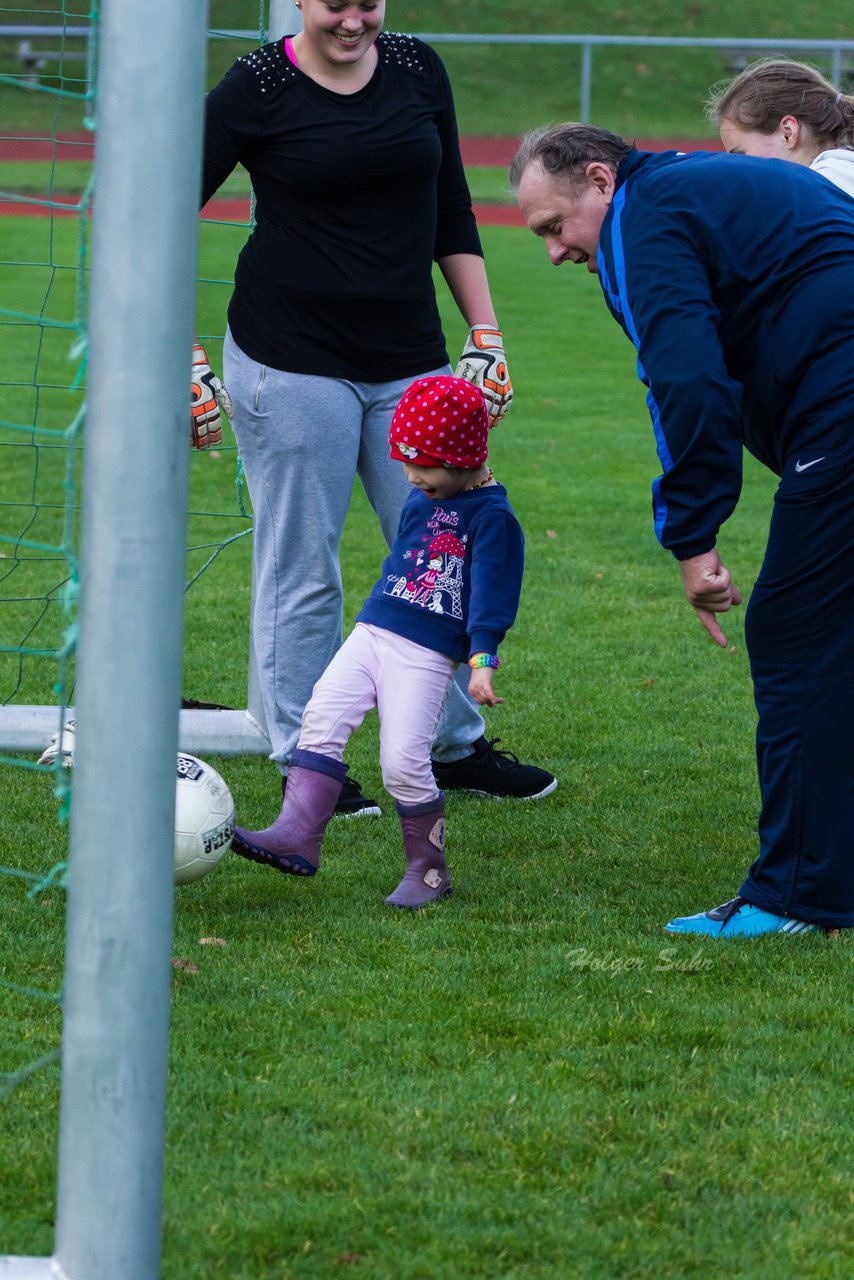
408	685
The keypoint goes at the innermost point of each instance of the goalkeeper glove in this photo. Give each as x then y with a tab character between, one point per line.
207	397
482	363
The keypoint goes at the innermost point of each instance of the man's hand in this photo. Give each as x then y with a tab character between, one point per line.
207	397
483	364
480	687
710	590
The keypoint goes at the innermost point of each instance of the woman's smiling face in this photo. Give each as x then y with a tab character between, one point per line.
341	33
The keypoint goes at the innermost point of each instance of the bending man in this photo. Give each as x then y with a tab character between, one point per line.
734	279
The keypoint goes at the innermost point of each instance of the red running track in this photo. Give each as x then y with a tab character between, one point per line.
237	210
475	151
486	151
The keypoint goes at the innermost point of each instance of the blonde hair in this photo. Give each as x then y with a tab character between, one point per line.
759	97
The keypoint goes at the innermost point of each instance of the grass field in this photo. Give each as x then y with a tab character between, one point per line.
507	89
530	1081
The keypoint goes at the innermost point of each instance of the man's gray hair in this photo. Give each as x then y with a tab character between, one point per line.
565	151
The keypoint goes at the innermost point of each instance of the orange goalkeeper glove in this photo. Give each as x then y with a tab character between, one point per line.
483	364
207	397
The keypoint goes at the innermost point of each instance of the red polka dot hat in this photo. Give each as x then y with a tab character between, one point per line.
440	422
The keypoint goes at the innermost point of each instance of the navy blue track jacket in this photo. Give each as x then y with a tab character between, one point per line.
734	279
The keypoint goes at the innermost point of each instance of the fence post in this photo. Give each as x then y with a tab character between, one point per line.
836	66
586	80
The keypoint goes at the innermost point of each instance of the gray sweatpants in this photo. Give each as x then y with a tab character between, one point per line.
303	440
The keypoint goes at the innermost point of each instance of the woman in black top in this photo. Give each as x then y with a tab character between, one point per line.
349	135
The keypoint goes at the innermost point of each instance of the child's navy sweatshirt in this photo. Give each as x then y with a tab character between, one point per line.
452	579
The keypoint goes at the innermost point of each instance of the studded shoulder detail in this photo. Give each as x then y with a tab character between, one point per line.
270	65
394	47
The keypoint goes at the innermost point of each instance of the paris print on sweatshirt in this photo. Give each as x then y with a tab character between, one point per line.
452	579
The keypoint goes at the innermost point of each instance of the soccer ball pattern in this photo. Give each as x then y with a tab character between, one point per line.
204	819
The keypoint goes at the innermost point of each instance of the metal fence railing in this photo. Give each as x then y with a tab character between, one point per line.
839	53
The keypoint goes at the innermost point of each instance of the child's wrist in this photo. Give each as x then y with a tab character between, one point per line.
483	660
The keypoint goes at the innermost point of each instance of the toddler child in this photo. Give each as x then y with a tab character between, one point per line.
448	593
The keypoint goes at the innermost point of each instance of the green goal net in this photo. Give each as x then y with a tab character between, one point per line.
48	119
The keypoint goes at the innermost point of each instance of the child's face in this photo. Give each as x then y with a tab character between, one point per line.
437	483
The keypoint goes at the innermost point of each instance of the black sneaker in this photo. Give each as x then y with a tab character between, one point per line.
351	802
488	772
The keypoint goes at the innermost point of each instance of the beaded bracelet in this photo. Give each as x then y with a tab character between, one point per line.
484	660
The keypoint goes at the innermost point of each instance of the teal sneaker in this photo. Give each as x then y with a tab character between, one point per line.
737	919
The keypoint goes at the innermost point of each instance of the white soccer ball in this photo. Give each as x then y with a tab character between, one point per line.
204	819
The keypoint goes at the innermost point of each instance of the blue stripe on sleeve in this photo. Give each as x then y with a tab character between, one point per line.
620	302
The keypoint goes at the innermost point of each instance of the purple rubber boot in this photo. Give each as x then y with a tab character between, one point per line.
427	878
292	843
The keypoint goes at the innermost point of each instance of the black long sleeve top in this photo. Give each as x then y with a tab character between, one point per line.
356	196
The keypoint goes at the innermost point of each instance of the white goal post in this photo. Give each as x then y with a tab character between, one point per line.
120	873
28	729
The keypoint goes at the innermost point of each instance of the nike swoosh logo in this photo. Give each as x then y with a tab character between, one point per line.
802	466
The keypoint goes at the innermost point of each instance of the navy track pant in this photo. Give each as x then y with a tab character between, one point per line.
799	629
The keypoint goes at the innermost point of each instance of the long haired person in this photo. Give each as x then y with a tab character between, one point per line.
785	110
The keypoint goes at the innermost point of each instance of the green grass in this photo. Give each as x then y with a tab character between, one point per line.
529	1082
505	90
